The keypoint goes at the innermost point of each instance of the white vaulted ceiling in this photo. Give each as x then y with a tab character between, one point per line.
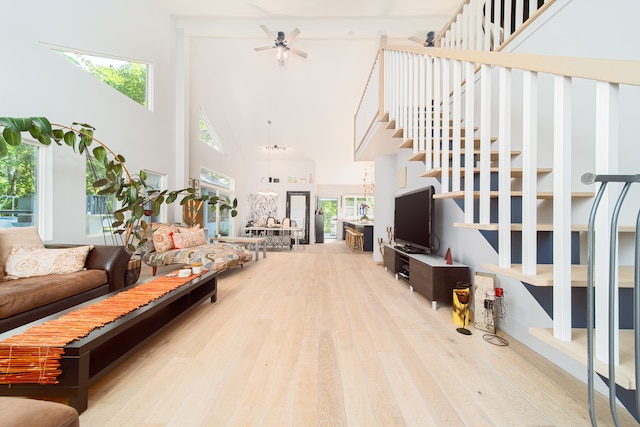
311	102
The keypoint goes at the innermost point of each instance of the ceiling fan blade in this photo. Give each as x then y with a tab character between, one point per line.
298	52
417	40
258	49
269	32
292	35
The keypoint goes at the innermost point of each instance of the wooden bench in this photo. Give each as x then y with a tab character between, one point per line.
257	241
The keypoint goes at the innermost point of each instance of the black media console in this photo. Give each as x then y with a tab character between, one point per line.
429	275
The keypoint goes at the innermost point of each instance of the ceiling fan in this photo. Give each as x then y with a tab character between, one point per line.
428	42
281	44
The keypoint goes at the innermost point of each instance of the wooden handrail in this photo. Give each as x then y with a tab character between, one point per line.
607	70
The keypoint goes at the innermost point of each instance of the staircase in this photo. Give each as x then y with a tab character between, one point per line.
500	134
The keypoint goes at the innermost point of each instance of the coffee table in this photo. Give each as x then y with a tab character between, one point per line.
88	359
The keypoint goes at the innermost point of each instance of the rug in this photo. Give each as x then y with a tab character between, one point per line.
34	355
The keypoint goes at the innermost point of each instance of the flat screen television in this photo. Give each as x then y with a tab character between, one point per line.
413	221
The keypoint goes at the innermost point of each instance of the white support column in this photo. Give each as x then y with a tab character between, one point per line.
444	130
485	144
469	135
562	208
504	167
457	118
529	173
607	148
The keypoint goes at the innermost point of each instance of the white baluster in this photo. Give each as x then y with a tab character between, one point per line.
607	147
469	113
529	174
444	128
455	140
504	175
562	208
429	117
437	119
485	144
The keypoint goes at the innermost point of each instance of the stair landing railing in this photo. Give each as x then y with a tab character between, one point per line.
474	25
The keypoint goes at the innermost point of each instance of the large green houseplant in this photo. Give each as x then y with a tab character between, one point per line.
131	190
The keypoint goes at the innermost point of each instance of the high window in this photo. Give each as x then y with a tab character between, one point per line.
212	183
208	135
127	77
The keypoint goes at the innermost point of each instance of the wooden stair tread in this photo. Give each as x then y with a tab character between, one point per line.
577	350
542	195
495	154
539	227
515	172
544	276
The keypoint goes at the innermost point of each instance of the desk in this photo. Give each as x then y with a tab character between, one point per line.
276	239
256	240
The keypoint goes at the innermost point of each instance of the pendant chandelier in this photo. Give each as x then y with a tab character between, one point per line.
268	191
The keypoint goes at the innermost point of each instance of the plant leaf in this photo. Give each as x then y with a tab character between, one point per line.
12	137
100	154
70	139
4	150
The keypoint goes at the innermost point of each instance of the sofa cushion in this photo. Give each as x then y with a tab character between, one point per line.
213	256
28	262
17	296
24	236
161	237
21	412
186	239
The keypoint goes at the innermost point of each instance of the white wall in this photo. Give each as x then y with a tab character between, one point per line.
38	82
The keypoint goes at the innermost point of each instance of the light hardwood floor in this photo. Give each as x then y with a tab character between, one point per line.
324	337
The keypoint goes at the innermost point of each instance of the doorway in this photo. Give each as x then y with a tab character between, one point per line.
329	207
298	210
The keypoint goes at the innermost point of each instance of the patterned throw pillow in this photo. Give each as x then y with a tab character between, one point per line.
28	262
162	238
189	239
22	236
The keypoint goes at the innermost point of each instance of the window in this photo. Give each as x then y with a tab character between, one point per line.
213	178
156	181
19	172
99	208
207	134
216	222
127	77
355	207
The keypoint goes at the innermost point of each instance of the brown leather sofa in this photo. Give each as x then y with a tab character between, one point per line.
27	299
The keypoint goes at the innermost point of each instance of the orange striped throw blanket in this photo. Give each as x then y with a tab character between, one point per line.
33	356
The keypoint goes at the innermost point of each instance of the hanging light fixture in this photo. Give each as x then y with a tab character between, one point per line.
269	148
